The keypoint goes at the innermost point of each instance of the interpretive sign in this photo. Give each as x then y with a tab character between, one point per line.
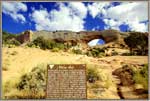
66	81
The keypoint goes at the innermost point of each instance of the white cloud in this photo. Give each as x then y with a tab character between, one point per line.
13	9
96	28
129	13
69	17
112	24
137	26
97	8
78	8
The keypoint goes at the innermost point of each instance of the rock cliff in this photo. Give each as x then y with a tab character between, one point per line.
69	36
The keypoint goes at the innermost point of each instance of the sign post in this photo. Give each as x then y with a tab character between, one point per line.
66	81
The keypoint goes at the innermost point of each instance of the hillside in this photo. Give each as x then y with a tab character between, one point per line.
21	60
118	68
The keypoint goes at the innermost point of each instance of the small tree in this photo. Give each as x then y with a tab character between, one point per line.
137	40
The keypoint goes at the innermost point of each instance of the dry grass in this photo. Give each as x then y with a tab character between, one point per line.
25	59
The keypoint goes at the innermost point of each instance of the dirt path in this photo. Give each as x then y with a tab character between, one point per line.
119	92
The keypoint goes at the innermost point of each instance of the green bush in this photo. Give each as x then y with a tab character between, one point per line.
31	44
88	53
138	41
77	51
10	46
55	49
141	76
114	53
48	44
126	54
10	39
96	85
34	81
96	52
14	53
12	43
129	54
60	46
42	43
92	75
100	55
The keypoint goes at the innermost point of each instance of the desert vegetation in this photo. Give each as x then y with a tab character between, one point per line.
138	43
10	39
141	77
122	61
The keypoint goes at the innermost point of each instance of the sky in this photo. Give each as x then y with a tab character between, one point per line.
75	16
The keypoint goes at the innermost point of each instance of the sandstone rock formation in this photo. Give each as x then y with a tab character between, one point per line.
25	36
69	36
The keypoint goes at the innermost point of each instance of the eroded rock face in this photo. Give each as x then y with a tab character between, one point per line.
25	36
69	36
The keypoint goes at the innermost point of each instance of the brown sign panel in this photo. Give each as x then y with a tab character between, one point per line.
66	81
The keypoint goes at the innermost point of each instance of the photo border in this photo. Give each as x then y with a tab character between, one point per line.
148	1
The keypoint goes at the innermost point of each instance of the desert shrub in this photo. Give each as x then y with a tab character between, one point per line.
9	38
14	53
55	49
88	53
42	43
77	51
5	65
47	44
129	54
60	46
13	42
141	76
126	54
114	53
31	44
5	68
92	75
108	83
33	82
10	45
138	41
95	85
96	52
100	55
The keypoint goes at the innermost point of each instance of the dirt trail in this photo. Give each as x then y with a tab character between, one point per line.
116	62
125	85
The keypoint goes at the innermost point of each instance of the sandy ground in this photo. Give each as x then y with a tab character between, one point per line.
27	58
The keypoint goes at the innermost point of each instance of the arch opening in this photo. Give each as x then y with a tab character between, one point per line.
95	42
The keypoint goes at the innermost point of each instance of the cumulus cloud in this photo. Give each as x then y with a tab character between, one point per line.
136	25
112	24
13	8
70	17
96	8
132	14
127	12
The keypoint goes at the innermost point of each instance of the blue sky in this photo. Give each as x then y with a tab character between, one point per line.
76	16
